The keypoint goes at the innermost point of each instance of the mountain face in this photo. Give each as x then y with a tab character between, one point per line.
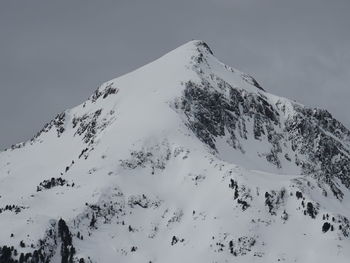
183	160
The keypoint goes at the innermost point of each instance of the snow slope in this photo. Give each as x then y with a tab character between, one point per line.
182	160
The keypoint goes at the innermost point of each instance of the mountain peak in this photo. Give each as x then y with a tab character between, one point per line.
203	53
195	45
200	44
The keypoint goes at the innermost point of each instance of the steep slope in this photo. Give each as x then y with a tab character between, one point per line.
183	160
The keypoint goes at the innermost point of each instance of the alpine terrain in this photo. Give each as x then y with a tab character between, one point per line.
182	160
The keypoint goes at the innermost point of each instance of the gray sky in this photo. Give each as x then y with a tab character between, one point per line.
54	54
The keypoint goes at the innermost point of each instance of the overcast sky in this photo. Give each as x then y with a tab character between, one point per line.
54	54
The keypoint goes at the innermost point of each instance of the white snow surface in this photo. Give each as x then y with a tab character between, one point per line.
171	194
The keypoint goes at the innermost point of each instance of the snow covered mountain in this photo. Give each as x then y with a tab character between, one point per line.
183	160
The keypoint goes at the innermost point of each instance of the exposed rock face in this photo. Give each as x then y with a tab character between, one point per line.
319	143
